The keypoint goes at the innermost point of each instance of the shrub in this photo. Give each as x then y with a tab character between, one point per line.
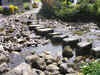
26	6
92	68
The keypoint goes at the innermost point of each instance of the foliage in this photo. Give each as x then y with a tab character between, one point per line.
84	9
26	6
7	10
1	9
92	68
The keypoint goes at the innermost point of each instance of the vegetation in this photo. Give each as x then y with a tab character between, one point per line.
7	10
92	68
83	9
26	5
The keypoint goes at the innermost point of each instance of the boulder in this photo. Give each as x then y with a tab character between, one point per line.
52	68
22	69
36	62
67	51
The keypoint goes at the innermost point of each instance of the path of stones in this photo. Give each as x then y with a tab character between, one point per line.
18	32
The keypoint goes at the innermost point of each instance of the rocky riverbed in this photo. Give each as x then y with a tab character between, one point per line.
46	47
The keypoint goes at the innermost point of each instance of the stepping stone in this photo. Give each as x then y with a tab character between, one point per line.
96	51
84	48
41	27
59	38
55	33
31	27
29	22
72	41
44	31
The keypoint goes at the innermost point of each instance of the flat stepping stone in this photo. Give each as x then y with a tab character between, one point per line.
31	27
84	44
72	41
45	31
84	48
55	33
96	51
59	37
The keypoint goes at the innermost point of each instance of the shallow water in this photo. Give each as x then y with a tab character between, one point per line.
53	48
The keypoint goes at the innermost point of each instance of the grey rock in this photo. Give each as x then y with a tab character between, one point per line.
22	69
52	68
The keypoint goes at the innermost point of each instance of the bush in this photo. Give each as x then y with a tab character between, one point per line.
92	68
84	10
26	6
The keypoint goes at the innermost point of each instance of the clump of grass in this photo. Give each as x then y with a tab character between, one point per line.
78	32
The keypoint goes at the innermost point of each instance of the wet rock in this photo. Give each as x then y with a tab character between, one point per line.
96	51
84	48
67	51
22	69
